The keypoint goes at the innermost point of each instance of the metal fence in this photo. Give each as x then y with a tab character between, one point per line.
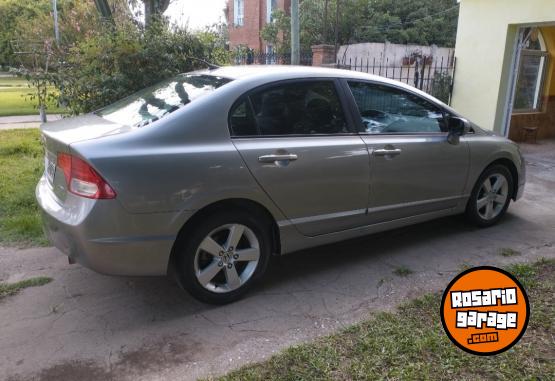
433	76
257	58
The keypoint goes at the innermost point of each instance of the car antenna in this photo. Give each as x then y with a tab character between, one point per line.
211	66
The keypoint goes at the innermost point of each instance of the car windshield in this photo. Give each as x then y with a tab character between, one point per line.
154	102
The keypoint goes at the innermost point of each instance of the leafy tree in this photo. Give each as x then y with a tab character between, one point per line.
98	62
12	12
31	50
38	75
214	42
29	22
317	26
422	22
278	32
111	65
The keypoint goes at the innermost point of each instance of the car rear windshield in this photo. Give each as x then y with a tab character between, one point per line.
155	102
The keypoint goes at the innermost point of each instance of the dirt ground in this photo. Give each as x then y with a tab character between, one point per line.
85	326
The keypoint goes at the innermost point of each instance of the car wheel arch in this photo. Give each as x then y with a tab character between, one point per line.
252	207
507	163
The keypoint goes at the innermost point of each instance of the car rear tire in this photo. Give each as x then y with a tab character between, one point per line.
221	259
491	196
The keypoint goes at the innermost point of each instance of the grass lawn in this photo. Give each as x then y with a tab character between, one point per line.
14	99
7	289
21	165
410	344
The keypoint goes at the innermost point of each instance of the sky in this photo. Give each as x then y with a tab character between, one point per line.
196	13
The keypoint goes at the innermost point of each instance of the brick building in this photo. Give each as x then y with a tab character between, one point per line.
246	18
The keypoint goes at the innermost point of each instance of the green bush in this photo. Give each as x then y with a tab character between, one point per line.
111	65
441	86
98	60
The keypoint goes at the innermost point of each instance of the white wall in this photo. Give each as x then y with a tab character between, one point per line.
391	53
362	57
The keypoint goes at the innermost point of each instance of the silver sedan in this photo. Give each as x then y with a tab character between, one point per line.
208	174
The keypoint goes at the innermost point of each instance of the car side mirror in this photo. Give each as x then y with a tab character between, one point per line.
457	127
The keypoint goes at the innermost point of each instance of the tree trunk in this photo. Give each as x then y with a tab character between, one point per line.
295	38
42	112
154	8
336	26
104	9
325	24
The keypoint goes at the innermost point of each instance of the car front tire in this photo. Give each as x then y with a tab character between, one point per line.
491	196
221	259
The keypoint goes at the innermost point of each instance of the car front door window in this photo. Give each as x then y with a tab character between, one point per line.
387	110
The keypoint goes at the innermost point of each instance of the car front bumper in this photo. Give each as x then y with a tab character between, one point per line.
521	178
103	236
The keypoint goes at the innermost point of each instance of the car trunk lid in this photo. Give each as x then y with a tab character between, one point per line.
64	132
58	137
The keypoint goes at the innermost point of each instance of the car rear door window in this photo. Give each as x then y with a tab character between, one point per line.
388	110
292	108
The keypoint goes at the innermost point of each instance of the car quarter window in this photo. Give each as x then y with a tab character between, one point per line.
291	108
242	120
388	110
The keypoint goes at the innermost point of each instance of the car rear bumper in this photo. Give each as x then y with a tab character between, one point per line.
103	236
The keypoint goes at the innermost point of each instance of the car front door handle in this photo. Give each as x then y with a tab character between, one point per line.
386	152
277	157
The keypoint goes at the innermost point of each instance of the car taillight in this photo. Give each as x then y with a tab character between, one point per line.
82	179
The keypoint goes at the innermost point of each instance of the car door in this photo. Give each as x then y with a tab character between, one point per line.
414	170
296	140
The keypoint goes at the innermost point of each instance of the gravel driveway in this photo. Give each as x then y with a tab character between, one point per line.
86	326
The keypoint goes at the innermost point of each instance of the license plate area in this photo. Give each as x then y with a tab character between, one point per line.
50	166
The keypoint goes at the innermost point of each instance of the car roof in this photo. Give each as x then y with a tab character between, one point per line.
249	71
269	73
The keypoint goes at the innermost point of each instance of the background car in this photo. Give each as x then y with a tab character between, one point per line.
208	174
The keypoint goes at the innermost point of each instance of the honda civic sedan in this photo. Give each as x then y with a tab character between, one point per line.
208	174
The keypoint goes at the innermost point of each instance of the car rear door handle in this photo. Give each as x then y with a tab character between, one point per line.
277	157
386	152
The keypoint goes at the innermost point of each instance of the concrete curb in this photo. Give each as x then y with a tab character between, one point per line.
25	121
15	126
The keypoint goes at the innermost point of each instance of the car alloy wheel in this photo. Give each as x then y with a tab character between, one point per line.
492	196
227	258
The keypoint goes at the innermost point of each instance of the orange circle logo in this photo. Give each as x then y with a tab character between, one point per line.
485	310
